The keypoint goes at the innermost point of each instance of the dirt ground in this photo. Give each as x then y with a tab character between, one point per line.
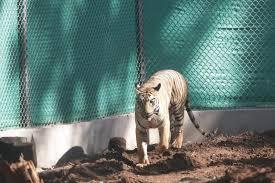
248	157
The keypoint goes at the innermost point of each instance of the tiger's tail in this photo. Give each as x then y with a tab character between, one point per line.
192	118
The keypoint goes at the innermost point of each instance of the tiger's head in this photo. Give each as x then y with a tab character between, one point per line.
148	101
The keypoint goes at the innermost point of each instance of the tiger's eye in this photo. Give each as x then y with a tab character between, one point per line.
152	101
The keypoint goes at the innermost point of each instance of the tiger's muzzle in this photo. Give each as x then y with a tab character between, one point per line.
150	115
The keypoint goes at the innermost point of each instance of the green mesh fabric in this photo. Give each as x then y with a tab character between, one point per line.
9	66
226	49
82	59
81	56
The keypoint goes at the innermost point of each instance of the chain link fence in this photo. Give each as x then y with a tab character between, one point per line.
226	49
66	61
9	67
70	61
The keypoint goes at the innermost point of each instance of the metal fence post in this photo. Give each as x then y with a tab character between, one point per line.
141	72
23	57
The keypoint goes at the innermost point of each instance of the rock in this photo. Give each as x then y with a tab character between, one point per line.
117	144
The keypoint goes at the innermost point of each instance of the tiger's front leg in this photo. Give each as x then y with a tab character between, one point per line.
164	134
142	139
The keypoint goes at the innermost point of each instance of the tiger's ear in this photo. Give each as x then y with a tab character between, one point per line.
137	88
157	87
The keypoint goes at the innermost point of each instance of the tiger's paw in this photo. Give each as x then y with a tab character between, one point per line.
143	162
141	165
161	147
176	145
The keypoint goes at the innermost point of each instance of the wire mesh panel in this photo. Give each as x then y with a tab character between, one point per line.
9	65
66	61
82	59
224	48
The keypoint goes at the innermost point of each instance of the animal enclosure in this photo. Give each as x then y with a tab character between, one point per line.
66	61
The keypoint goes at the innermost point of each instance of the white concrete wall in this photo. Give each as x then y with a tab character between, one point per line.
53	141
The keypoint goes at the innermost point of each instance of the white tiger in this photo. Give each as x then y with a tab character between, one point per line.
161	99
